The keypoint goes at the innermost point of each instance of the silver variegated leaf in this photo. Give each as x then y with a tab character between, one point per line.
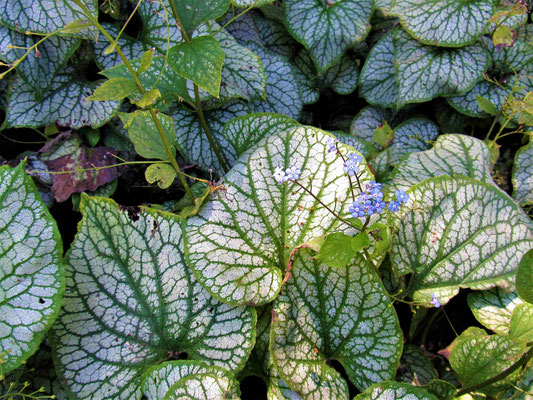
327	28
391	390
132	303
131	48
325	314
415	368
65	104
32	276
40	66
377	81
160	28
164	380
494	308
46	16
239	243
452	154
523	175
250	3
459	232
370	118
425	72
450	23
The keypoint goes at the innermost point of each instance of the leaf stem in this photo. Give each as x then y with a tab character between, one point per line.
197	100
152	112
521	362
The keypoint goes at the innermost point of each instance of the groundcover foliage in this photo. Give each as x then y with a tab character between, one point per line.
297	199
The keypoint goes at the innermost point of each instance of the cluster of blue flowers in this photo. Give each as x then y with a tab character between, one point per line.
371	201
290	174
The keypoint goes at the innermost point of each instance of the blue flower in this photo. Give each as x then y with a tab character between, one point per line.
435	301
293	173
357	209
372	185
394	206
378	206
376	194
401	196
351	165
331	144
280	176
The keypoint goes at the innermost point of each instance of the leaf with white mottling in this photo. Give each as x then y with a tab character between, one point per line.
191	139
242	133
394	391
413	135
523	175
370	118
32	276
377	81
458	232
132	303
366	148
450	23
65	104
160	29
268	33
326	314
37	69
249	3
238	244
452	154
327	29
46	16
160	381
203	386
494	308
425	72
522	322
505	63
131	48
415	368
476	357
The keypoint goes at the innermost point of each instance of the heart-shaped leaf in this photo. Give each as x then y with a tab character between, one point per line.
415	368
425	72
394	391
47	16
459	232
239	243
199	60
31	268
494	308
451	23
523	175
326	314
452	154
132	302
65	104
327	28
476	357
38	69
190	379
193	14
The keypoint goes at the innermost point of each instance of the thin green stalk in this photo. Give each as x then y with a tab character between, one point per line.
197	100
143	91
502	375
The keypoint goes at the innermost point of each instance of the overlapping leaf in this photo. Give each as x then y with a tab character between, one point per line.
394	391
132	302
425	72
459	232
166	380
523	175
131	48
370	118
238	244
452	23
193	14
65	104
46	16
494	308
415	368
31	268
40	66
522	322
327	29
509	67
326	314
452	154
